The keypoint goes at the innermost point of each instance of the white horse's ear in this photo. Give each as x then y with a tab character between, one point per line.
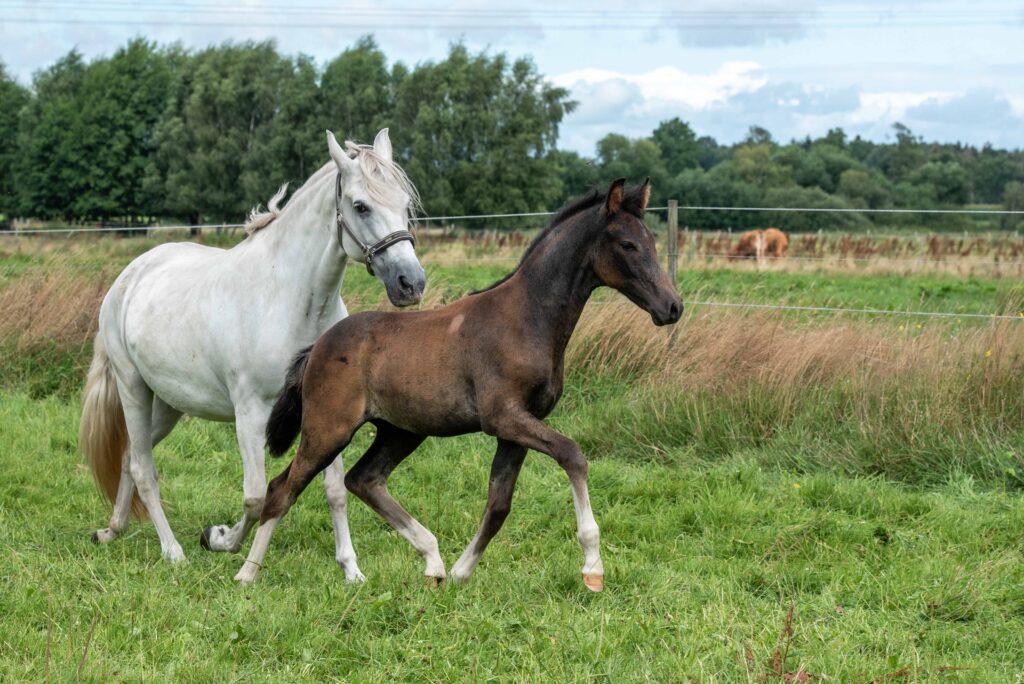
339	156
382	144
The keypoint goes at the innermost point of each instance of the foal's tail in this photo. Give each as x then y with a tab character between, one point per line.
286	416
103	434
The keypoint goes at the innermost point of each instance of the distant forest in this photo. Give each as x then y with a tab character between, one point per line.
156	133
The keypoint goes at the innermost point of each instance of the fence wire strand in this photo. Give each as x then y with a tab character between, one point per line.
707	303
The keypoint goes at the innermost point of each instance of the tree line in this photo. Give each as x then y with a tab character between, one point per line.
164	133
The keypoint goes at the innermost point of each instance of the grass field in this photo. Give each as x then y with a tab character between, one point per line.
866	474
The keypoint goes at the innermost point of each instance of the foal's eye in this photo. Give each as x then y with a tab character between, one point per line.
628	246
362	209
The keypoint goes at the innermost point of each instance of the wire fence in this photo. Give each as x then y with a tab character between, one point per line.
69	231
525	214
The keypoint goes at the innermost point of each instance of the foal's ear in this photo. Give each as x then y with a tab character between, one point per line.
382	144
645	194
616	193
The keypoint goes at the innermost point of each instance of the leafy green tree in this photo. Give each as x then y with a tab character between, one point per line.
947	179
119	105
709	152
357	92
13	98
678	145
52	172
991	173
863	188
475	130
1013	200
754	164
211	157
579	175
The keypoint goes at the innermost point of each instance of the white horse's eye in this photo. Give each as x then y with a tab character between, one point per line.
361	208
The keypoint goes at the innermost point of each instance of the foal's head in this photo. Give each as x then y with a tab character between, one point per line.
625	257
375	201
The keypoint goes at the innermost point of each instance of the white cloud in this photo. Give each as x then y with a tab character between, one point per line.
669	85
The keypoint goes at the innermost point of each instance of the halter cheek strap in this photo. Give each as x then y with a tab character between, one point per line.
369	251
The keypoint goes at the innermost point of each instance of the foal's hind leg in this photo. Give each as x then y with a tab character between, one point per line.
504	471
164	419
281	495
368	480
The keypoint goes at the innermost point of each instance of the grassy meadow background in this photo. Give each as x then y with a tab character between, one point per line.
783	497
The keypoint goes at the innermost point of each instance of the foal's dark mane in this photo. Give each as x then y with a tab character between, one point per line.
631	203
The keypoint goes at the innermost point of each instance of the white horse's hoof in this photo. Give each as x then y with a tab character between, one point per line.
594	583
215	538
104	536
174	555
354	577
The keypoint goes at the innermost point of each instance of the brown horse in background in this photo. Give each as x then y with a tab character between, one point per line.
492	361
760	243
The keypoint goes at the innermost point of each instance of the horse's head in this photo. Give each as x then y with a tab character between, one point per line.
625	257
374	199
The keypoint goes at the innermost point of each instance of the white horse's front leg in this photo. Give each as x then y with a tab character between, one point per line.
337	500
250	428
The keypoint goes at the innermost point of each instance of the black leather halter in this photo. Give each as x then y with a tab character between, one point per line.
369	251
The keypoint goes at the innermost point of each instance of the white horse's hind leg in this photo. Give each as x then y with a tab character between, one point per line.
137	400
164	420
337	500
250	428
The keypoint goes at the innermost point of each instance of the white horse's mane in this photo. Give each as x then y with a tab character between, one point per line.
385	182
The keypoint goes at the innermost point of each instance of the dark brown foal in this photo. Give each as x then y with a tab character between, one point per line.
492	361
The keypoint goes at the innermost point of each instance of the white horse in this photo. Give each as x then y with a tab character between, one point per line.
190	329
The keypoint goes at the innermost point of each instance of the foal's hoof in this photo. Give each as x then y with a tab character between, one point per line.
434	582
594	583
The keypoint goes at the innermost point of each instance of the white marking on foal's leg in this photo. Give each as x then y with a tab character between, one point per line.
253	564
425	544
467	562
337	500
589	537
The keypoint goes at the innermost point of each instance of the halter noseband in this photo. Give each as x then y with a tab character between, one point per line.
369	251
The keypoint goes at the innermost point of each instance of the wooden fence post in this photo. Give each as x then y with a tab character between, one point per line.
673	238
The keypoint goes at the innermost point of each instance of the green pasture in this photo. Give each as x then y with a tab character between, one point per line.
895	538
704	559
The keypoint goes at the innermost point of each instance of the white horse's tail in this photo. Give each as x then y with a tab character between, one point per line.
103	434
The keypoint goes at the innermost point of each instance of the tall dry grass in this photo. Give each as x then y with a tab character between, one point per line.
877	396
861	395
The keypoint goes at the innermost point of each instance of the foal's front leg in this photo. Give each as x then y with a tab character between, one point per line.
519	426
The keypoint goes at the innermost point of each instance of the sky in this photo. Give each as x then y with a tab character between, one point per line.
951	71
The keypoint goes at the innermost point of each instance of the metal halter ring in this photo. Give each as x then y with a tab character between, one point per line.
369	251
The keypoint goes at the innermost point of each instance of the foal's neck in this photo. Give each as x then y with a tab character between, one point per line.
558	279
